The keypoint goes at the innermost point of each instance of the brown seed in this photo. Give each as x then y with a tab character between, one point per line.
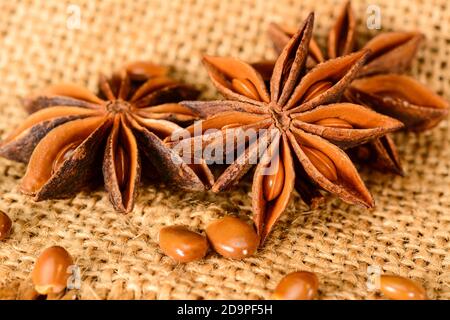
182	244
231	126
50	273
232	238
322	163
334	123
399	288
300	285
121	167
246	88
273	183
143	70
65	154
317	89
5	225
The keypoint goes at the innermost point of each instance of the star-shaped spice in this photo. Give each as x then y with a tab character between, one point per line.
304	127
73	133
380	84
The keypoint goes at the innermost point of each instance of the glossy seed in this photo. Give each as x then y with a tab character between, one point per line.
246	88
300	285
120	163
273	183
317	89
232	238
143	70
181	244
399	288
64	155
334	123
321	162
5	225
231	126
51	271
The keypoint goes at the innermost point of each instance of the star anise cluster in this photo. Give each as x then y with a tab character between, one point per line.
309	113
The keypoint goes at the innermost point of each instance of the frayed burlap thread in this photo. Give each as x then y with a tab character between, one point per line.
407	234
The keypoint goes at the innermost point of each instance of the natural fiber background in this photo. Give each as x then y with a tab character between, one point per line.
407	234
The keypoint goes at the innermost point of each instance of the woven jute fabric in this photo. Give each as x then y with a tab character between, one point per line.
407	234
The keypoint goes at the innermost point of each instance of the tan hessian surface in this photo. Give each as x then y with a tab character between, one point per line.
407	234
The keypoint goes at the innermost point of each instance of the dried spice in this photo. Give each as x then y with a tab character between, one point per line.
52	271
181	244
399	288
72	133
305	128
379	85
300	285
5	225
232	238
401	97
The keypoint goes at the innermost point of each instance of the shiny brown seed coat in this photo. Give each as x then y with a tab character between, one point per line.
322	162
301	285
65	154
399	288
121	167
5	225
246	88
232	238
51	271
181	244
143	70
317	89
334	123
273	183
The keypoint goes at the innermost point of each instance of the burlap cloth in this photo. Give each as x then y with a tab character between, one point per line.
407	233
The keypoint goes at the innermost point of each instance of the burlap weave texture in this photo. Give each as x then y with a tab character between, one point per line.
407	234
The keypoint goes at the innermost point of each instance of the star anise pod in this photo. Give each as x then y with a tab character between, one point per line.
379	85
72	133
304	127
